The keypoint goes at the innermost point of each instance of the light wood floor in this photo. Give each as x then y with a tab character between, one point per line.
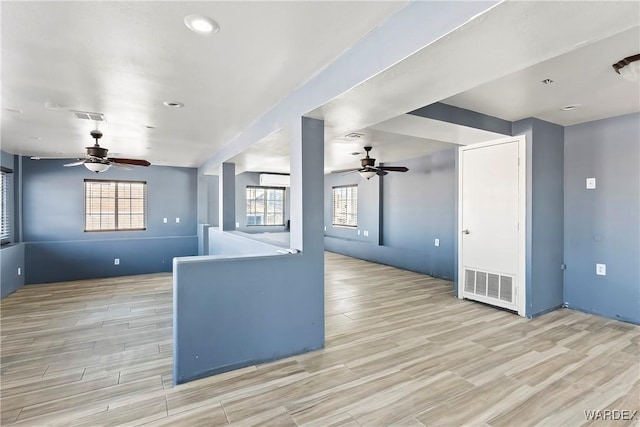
400	349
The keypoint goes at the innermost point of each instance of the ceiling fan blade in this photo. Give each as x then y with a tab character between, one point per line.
393	168
134	162
346	170
380	172
121	166
78	163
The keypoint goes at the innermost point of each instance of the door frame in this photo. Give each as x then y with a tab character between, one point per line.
521	288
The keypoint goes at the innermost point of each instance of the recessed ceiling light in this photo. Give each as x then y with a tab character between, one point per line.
570	107
173	104
201	24
14	110
150	127
37	138
354	135
547	81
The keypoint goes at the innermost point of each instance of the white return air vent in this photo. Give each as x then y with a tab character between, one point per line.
491	288
273	180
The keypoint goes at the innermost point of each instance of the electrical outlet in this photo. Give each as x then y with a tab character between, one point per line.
436	242
601	269
237	225
591	183
164	220
116	261
177	220
19	271
366	233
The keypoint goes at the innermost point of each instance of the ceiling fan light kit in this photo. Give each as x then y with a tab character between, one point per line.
368	168
96	167
368	174
629	67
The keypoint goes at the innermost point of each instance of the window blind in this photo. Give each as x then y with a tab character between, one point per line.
115	205
6	196
345	205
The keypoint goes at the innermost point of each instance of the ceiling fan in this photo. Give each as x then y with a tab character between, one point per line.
368	168
96	159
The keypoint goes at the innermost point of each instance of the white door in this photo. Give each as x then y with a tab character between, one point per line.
491	223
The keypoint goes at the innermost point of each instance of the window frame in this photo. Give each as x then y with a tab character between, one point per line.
284	210
6	206
115	212
346	213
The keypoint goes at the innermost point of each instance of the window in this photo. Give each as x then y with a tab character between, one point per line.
265	206
345	206
6	202
114	205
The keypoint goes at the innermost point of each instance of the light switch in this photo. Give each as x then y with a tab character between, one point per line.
436	242
601	269
591	183
358	232
164	220
237	225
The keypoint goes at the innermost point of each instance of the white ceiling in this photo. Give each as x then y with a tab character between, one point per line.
584	76
124	59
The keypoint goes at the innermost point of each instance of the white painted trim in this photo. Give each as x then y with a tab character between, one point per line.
522	229
522	216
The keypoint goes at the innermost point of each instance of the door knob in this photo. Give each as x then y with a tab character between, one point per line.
465	232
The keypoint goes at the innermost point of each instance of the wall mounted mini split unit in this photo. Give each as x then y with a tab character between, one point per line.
274	180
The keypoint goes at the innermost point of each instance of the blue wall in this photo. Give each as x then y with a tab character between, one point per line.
208	193
545	207
12	258
404	213
12	254
58	248
419	206
603	225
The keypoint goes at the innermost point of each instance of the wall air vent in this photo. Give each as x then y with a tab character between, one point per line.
85	115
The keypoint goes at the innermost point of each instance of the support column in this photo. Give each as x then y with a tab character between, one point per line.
380	210
306	149
202	201
227	197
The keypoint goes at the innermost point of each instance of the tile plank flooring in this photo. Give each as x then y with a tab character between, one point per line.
400	350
